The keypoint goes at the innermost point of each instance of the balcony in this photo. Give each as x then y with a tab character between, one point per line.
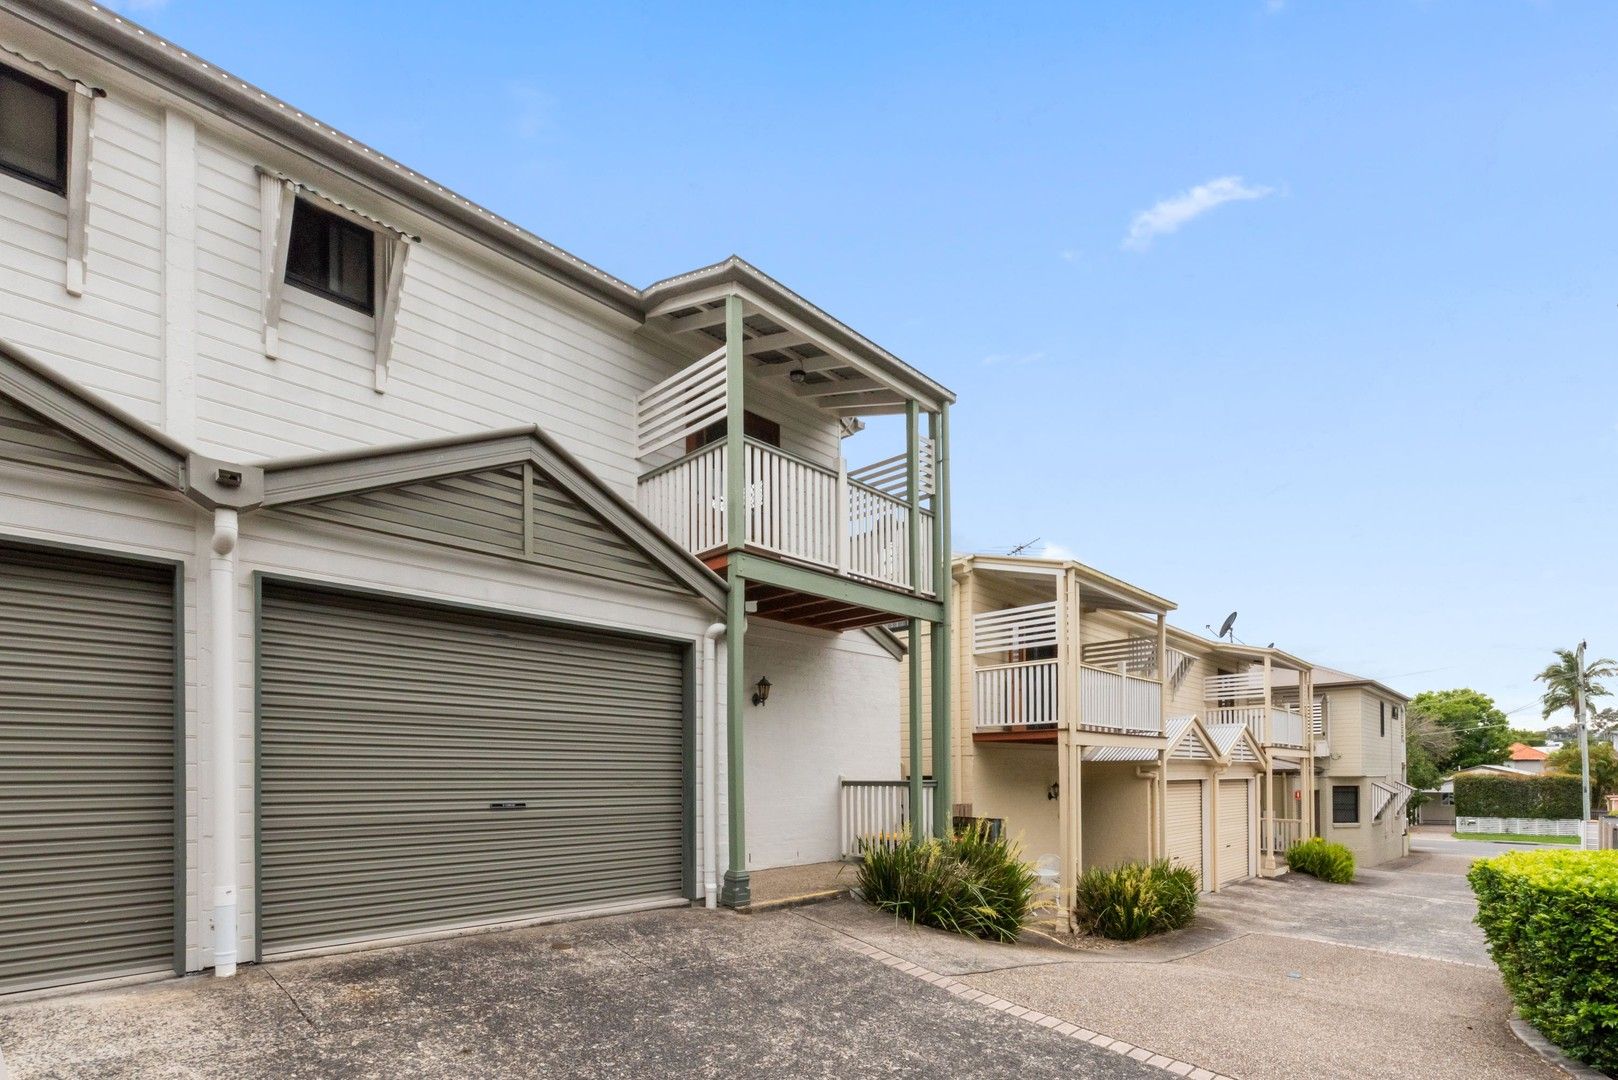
796	510
1284	727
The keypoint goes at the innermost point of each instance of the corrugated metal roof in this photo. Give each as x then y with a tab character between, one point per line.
1119	753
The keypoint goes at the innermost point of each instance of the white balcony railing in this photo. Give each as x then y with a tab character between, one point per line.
1243	684
1010	695
877	812
795	509
1285	728
1110	701
1026	694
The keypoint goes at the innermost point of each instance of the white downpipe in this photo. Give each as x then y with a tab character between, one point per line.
710	759
222	723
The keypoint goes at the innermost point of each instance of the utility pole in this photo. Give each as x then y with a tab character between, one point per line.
1584	740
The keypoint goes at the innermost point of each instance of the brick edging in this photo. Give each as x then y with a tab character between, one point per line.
966	992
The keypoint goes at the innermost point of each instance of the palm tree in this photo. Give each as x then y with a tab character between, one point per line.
1563	677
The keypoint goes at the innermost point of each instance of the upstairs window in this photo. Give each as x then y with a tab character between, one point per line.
332	256
1382	717
33	130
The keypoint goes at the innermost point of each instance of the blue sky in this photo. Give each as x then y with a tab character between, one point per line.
1300	309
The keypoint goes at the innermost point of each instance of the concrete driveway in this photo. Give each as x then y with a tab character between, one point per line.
1386	977
672	993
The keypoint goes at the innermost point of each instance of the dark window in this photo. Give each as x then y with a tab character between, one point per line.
330	255
1037	652
754	426
1382	717
33	130
1345	805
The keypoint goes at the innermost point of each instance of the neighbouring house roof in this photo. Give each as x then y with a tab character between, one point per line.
150	56
1096	589
1331	679
1524	752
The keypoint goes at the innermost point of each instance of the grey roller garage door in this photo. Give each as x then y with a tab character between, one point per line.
422	767
87	807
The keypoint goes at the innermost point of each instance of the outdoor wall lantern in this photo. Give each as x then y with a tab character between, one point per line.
761	692
1054	791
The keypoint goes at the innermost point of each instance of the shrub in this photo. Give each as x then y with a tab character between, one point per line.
1549	795
973	883
1551	920
1134	899
1326	861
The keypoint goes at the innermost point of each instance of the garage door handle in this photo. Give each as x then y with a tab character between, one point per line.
508	806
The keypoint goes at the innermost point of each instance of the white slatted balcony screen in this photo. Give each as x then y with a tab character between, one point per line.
1135	655
892	475
1028	627
681	405
1389	794
1243	684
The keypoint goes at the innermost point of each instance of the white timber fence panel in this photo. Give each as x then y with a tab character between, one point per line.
1013	694
1009	629
1519	826
1113	702
877	812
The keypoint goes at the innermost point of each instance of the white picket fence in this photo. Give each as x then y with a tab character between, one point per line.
1519	826
878	812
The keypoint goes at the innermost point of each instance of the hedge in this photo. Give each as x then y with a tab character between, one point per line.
1551	920
1325	860
1551	795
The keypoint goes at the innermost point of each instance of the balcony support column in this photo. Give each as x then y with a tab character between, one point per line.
918	816
1306	701
1267	804
1069	754
735	428
943	681
737	889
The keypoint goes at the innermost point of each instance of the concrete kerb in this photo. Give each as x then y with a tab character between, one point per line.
966	992
1530	1037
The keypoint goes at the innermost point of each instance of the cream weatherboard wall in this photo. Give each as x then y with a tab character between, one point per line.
1366	744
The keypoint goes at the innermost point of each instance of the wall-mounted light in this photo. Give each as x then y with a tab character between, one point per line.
1054	791
761	691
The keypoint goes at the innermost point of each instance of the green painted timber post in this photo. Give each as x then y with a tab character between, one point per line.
918	816
736	890
942	655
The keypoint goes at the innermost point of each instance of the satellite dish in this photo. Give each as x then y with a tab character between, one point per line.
1224	627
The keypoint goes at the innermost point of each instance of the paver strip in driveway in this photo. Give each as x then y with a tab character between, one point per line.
673	993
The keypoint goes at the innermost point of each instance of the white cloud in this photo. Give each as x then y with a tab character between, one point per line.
1013	359
1171	213
1057	551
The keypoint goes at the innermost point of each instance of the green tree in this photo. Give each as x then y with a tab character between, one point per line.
1603	722
1603	768
1528	736
1563	677
1478	728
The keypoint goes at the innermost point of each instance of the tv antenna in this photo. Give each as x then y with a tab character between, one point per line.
1020	548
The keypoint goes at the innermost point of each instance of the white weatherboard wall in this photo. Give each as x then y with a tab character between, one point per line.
831	712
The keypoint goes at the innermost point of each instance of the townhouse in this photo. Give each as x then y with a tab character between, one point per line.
1361	794
370	567
1097	733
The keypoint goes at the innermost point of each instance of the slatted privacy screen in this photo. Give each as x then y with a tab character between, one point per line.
892	474
1242	684
681	405
87	781
1134	655
1389	795
1028	627
423	767
1180	665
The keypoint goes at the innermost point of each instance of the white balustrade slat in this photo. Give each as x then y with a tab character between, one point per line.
877	812
1112	701
1009	695
794	509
